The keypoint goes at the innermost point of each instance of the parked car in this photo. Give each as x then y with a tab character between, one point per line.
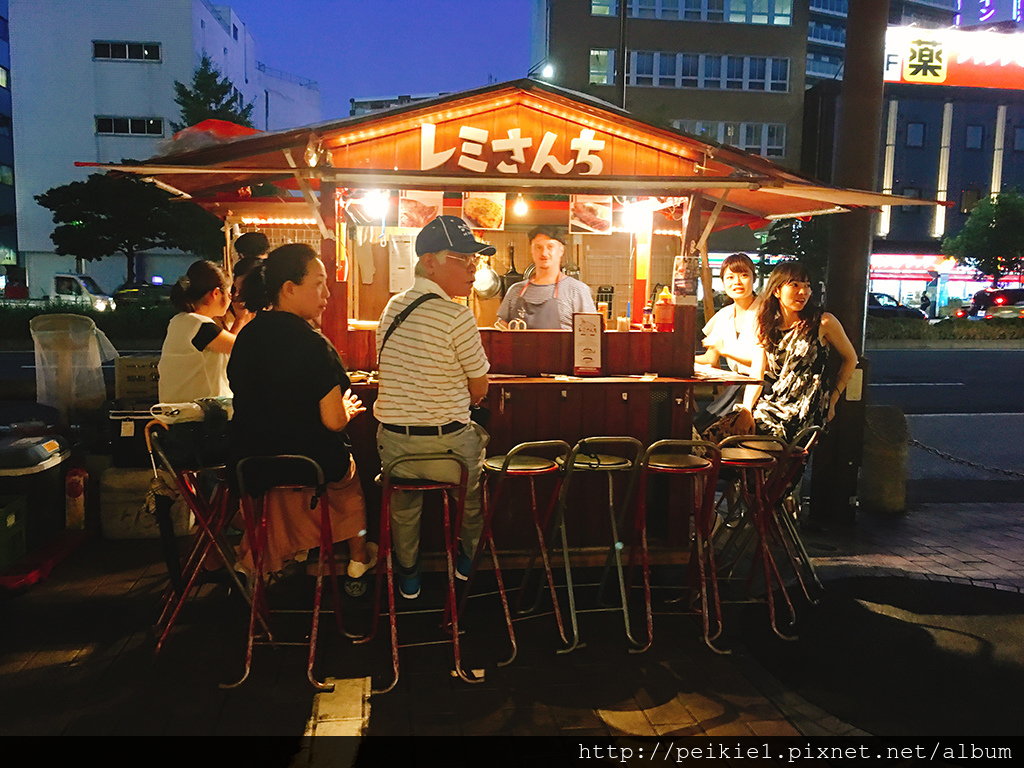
142	295
992	297
1005	311
71	289
884	305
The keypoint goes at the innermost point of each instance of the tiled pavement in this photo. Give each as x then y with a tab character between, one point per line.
76	654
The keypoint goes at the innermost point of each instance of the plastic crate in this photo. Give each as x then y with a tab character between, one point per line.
12	530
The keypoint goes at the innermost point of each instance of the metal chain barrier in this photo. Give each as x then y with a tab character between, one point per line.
963	462
948	456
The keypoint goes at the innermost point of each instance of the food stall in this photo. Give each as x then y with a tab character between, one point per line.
638	203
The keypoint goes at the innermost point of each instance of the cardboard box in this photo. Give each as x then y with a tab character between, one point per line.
136	378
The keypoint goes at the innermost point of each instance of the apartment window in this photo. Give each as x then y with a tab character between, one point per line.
914	192
704	10
689	71
968	199
602	66
645	9
125	51
778	12
1018	139
706	71
5	77
5	125
6	175
642	68
975	135
915	134
234	31
130	126
766	139
5	33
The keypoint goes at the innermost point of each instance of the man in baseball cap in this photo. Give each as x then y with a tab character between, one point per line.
432	368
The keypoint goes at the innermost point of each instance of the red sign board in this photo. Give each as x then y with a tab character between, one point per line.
979	59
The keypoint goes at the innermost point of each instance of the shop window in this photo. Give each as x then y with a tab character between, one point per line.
975	135
915	134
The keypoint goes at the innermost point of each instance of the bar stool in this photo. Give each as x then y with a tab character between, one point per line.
392	483
779	488
212	515
301	472
585	457
679	457
525	460
751	465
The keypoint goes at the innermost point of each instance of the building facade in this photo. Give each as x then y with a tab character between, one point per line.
109	96
8	230
727	71
951	136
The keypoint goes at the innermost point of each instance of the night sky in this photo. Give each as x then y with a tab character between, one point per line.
372	48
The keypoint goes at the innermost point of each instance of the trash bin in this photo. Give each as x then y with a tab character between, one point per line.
34	467
69	352
883	471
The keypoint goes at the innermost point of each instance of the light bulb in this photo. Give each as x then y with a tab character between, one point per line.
520	208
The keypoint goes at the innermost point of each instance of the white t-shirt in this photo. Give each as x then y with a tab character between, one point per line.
189	369
738	338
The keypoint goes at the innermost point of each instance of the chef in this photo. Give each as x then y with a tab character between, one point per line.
549	298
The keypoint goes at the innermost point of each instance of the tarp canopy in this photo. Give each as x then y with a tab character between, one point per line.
522	136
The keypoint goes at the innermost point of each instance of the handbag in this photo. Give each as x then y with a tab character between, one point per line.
738	422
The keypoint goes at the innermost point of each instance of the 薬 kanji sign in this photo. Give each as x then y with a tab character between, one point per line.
979	58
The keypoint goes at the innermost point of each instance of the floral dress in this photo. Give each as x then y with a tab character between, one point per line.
800	390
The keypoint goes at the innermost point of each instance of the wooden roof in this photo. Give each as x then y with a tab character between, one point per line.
521	136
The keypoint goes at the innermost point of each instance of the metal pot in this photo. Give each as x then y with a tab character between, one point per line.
487	284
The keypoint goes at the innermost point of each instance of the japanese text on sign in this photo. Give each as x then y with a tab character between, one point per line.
511	148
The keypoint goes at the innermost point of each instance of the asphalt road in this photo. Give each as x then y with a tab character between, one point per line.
923	381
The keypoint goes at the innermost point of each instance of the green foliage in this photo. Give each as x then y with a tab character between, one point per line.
992	240
143	323
107	215
950	329
210	96
807	241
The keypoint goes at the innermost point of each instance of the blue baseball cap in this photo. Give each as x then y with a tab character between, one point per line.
450	233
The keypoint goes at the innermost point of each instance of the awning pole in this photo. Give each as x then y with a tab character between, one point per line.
705	264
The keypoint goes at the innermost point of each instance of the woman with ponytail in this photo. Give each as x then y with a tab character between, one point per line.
194	358
292	396
795	341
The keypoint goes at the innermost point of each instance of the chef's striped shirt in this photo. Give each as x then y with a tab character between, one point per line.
425	367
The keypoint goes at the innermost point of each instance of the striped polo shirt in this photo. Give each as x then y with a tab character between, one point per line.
427	360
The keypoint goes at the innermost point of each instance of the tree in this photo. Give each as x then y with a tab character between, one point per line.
807	241
210	96
107	215
992	240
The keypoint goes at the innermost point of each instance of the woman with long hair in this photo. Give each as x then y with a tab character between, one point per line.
194	357
292	396
795	340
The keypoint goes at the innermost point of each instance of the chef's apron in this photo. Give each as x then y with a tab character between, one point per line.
540	309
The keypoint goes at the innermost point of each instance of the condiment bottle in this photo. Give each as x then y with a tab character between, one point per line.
664	311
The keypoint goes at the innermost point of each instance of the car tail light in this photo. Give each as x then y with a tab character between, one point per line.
989	316
999	300
961	313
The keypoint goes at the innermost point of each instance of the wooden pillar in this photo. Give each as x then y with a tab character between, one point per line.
335	319
686	305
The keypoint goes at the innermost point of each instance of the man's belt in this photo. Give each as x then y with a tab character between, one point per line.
444	429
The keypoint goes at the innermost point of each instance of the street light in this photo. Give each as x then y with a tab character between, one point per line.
542	70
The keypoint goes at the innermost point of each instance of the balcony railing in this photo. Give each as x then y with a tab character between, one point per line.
832	7
827	35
